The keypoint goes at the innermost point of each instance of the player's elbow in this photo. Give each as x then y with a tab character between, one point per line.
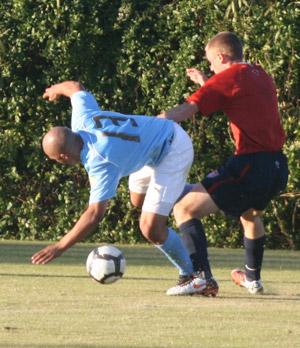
96	212
192	108
75	86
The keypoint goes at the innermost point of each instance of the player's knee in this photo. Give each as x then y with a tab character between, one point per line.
146	228
181	213
135	203
252	224
251	215
136	199
153	231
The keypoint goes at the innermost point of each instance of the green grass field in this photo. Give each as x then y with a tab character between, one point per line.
58	305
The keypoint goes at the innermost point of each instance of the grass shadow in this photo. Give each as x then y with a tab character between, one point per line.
20	252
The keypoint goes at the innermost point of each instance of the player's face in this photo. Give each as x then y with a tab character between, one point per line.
215	60
63	159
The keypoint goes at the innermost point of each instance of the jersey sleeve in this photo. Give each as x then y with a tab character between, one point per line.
84	106
209	98
104	180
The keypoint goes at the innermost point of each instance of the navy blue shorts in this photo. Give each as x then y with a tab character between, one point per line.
247	181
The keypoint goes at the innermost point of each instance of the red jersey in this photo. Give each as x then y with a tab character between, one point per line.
247	95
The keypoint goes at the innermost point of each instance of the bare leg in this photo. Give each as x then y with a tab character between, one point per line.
195	204
137	199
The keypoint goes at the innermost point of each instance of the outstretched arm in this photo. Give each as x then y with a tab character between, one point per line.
186	110
86	224
66	88
181	112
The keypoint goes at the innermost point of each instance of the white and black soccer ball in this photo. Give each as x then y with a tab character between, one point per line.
106	264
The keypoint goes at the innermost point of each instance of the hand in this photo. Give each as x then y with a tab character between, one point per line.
196	76
51	93
66	88
46	255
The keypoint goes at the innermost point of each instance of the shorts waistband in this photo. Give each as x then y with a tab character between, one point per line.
262	153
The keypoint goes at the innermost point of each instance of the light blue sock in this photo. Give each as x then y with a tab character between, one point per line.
176	253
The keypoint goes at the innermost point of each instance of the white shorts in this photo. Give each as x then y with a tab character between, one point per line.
164	184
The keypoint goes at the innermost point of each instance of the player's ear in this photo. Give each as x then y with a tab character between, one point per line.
64	156
223	58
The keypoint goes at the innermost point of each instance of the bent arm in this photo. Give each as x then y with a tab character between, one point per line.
196	76
66	88
181	112
87	222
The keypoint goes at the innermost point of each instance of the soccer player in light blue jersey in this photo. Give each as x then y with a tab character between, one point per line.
156	152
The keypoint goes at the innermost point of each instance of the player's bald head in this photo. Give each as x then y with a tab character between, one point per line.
60	142
57	140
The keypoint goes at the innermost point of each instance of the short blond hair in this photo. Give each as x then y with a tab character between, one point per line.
227	43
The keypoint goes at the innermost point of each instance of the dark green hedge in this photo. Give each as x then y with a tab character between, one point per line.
132	55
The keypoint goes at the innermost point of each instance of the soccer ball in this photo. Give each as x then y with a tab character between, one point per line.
106	264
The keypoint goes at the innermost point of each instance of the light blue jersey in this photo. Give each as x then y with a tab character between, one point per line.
116	145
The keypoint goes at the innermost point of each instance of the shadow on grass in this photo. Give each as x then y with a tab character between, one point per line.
71	346
266	297
137	255
144	255
21	252
150	279
45	275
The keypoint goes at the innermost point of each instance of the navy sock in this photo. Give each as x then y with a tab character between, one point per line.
194	239
254	253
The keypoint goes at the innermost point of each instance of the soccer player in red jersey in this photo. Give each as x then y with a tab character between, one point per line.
249	179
